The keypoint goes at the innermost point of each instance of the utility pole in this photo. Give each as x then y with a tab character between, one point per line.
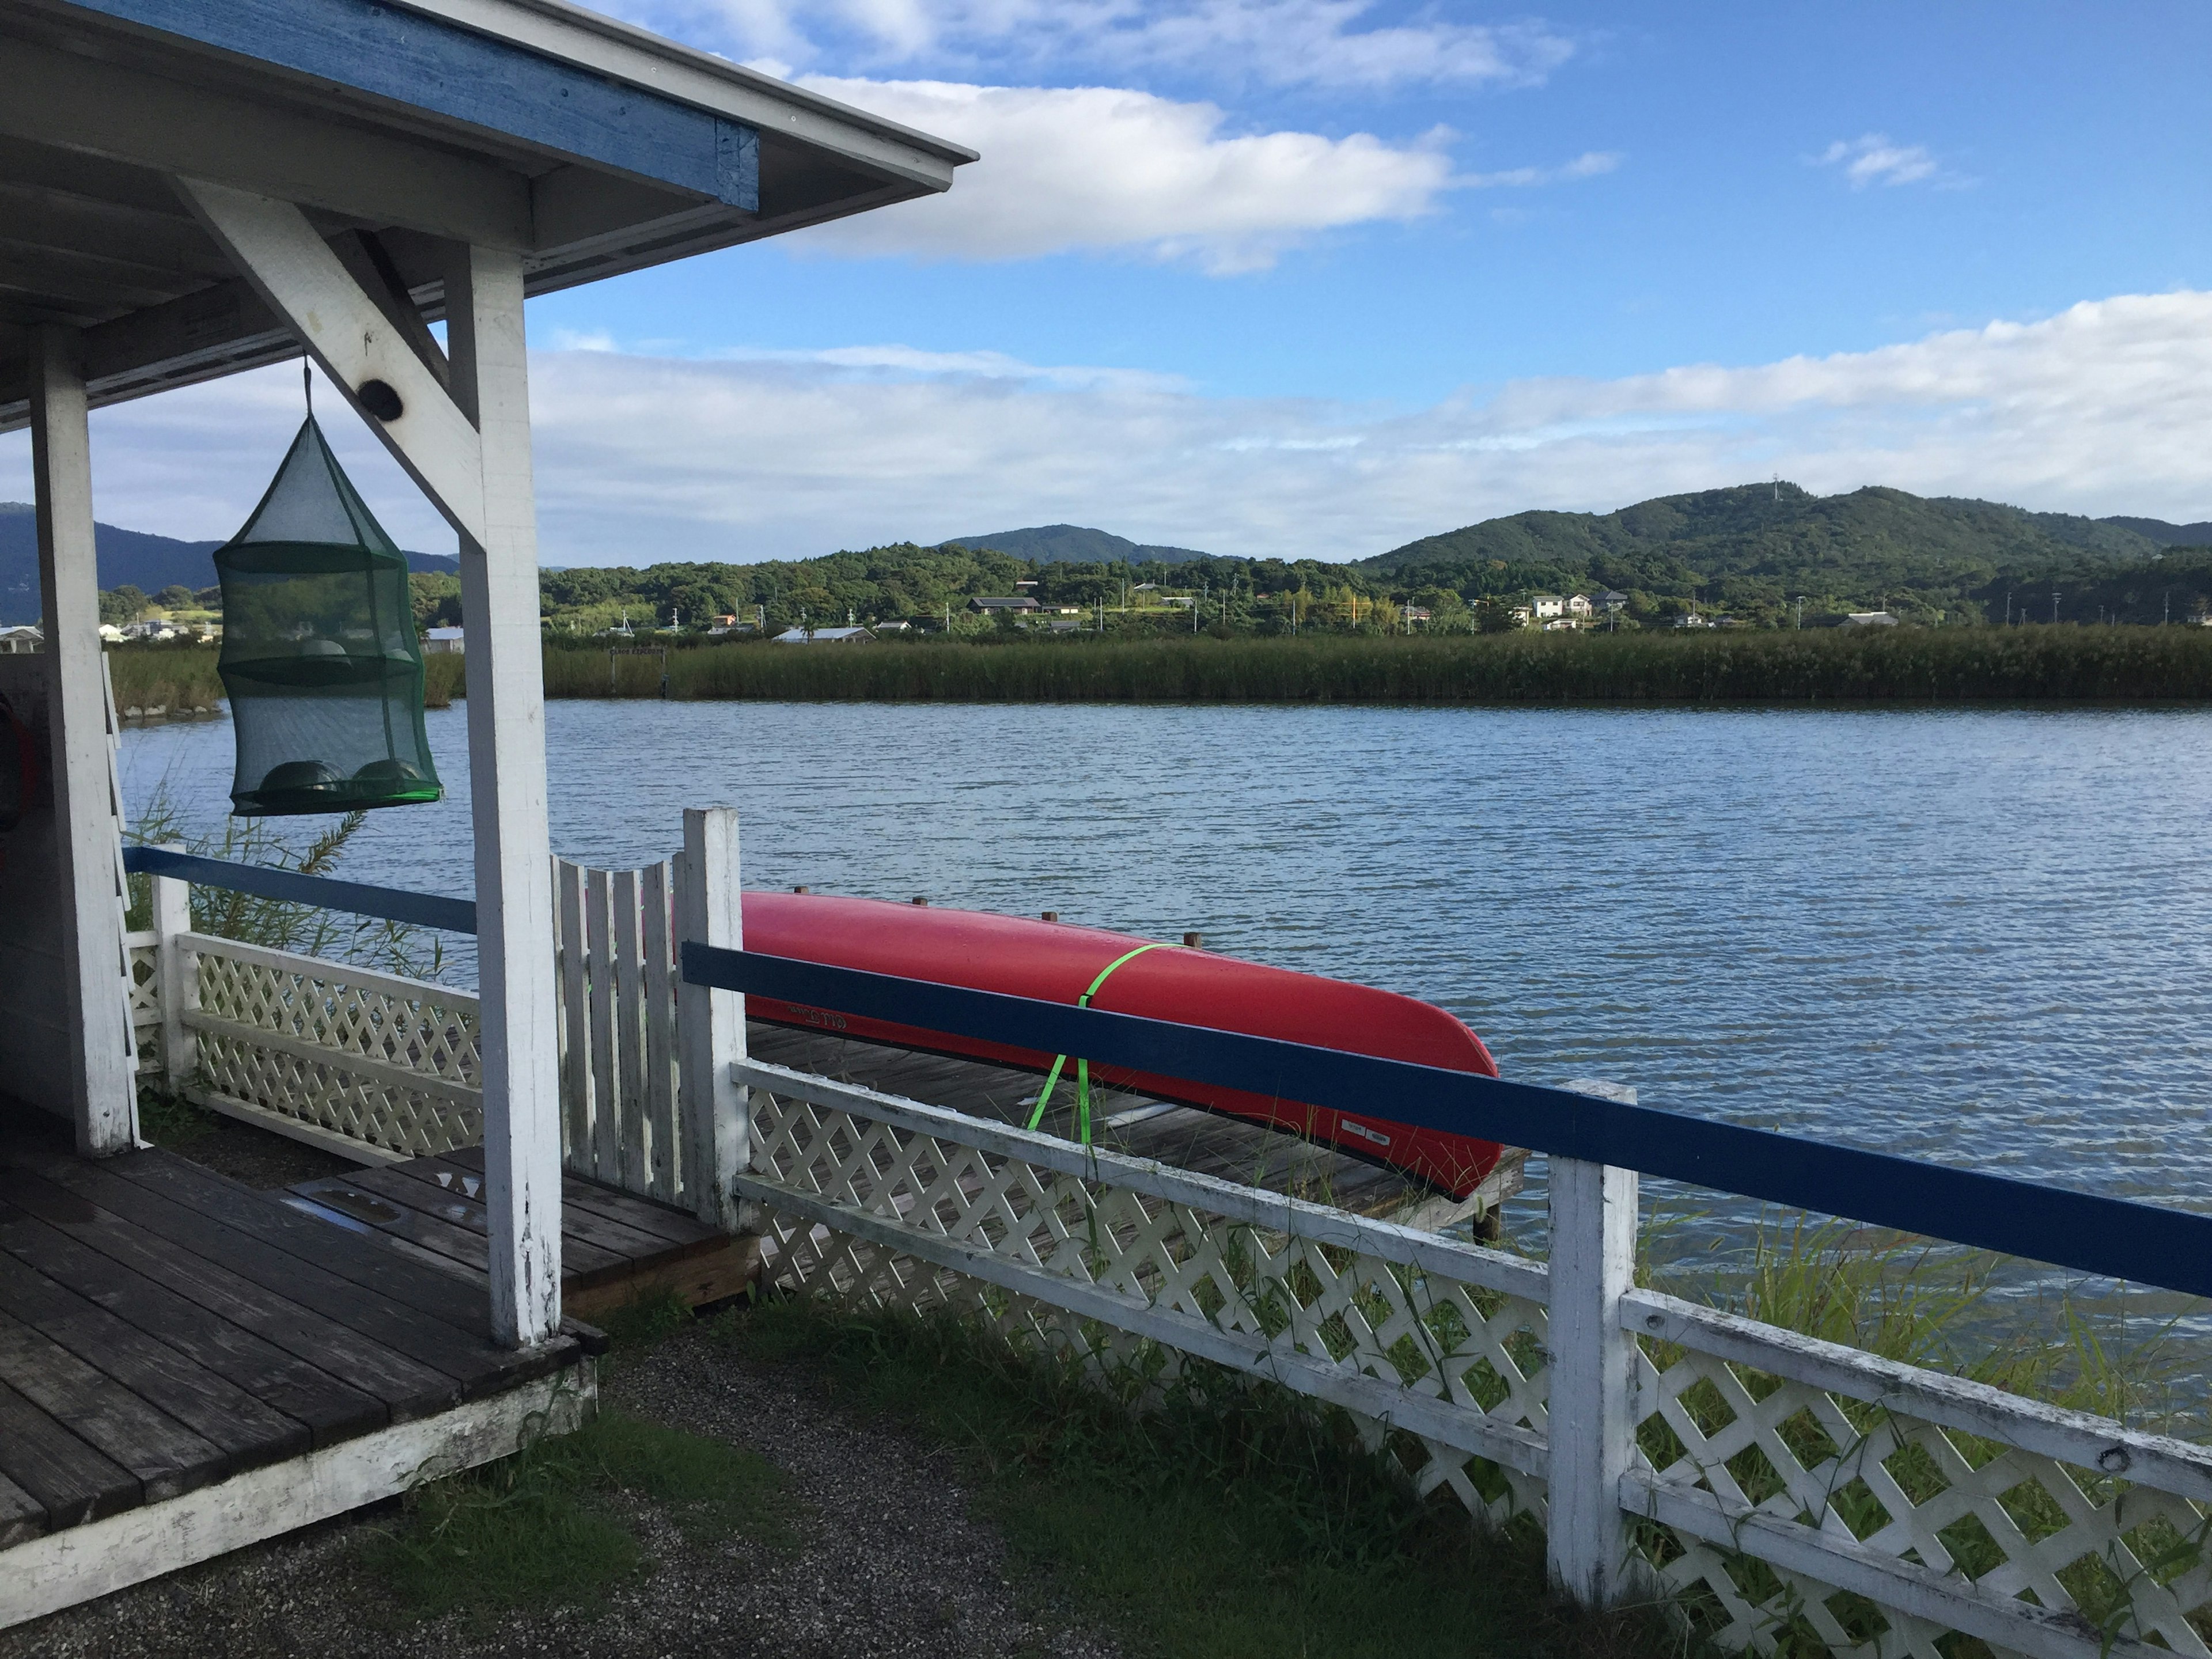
1801	611
2054	608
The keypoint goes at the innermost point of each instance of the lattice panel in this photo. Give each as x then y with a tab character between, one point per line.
382	1025
1429	1335
2130	1560
145	1004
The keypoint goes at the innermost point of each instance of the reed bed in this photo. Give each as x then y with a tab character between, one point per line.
169	677
2113	665
175	677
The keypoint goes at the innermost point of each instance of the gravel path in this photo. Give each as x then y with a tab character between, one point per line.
889	1561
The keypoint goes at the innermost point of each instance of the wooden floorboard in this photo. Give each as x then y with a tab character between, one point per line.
435	1203
392	1379
164	1331
324	1406
161	1455
672	1226
21	1516
71	1482
335	1272
243	1428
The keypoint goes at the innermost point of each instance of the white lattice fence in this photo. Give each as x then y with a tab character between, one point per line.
378	1066
145	990
1797	1494
912	1206
1809	1490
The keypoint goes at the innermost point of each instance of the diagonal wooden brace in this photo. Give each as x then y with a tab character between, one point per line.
303	280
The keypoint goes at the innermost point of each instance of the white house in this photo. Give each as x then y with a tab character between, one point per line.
439	641
1578	606
825	637
1869	619
1541	606
19	639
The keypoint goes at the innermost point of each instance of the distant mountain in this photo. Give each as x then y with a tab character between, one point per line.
135	558
2168	535
1775	539
1067	543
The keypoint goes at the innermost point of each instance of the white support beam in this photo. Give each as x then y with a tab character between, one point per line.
1590	1413
715	1110
103	1054
506	781
303	280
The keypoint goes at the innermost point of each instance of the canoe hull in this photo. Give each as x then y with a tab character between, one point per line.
1056	963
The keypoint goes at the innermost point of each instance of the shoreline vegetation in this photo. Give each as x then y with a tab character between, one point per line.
1900	667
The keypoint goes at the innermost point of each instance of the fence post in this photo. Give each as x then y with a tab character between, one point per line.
176	973
710	1025
1592	1363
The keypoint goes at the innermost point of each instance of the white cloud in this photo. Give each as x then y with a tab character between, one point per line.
2093	410
1875	159
1591	164
1324	43
1102	167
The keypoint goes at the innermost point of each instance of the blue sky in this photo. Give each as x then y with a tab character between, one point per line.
1310	277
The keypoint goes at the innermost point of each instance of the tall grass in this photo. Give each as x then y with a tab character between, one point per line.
174	677
277	924
178	677
1829	665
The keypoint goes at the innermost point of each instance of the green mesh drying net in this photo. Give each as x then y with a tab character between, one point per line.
318	650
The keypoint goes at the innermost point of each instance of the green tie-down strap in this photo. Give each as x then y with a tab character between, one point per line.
1082	1066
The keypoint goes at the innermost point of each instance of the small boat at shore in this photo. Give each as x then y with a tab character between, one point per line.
1060	962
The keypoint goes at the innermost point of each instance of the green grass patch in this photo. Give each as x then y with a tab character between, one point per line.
648	1320
1227	1520
169	1120
536	1531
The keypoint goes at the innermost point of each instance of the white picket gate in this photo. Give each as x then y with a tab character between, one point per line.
382	1068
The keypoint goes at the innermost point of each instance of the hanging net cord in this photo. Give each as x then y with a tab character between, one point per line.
1082	1066
319	657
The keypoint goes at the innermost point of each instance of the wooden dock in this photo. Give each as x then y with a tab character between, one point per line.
615	1247
187	1367
1183	1136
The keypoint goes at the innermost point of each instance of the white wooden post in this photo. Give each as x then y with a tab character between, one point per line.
716	1110
1591	1362
518	1029
103	1060
176	974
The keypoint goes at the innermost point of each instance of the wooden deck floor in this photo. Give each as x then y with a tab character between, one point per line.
1181	1135
164	1329
615	1247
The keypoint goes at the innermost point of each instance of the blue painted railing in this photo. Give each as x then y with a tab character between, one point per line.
356	898
2114	1238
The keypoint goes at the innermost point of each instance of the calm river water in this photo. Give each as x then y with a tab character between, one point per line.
1974	937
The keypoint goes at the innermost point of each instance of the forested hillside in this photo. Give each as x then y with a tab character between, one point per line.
1756	550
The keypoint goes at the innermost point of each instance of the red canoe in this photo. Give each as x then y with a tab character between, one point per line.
1058	963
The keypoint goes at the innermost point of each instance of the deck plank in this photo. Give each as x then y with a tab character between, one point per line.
399	1383
162	1454
202	1192
22	1517
461	1225
247	1432
333	1270
70	1480
579	1224
671	1225
327	1408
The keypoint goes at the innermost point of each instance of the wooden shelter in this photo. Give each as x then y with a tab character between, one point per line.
189	188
